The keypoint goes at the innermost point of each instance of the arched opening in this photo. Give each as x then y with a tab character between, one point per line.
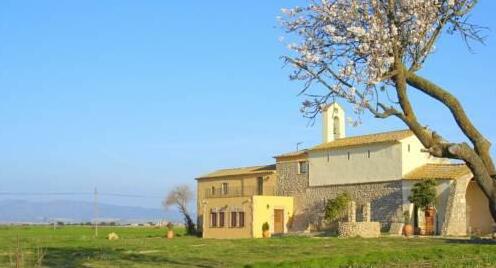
337	128
479	220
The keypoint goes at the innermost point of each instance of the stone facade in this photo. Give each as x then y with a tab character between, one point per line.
456	212
360	229
385	198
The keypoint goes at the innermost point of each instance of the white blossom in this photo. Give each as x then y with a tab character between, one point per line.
351	44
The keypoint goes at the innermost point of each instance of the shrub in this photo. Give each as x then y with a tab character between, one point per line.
335	209
265	226
170	226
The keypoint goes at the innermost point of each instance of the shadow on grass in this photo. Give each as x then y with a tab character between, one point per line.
79	257
474	240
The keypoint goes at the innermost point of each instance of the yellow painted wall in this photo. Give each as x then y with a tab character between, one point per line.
227	204
263	211
414	158
479	219
246	182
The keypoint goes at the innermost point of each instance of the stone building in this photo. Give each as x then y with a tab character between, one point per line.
377	169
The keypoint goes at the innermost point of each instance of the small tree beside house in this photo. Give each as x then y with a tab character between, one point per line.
423	197
180	197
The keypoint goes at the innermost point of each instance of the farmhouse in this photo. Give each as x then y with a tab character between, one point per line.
377	170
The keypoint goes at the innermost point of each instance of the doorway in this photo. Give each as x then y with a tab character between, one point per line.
278	221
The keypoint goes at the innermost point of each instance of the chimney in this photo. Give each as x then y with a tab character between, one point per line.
333	124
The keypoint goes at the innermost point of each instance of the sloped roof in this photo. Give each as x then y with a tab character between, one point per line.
292	154
240	171
438	171
391	136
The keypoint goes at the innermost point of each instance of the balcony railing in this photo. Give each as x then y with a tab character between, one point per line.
237	191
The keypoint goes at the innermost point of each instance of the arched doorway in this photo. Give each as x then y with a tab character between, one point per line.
479	220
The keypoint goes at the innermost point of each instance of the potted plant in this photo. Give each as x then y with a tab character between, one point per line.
265	230
407	227
170	230
423	197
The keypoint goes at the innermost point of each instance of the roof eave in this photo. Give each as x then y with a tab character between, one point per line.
316	149
234	175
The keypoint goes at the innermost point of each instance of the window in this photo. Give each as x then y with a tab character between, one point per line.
213	190
302	167
349	155
213	219
260	186
221	219
225	188
328	156
241	219
368	154
234	219
408	147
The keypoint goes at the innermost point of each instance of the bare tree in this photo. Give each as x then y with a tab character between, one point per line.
368	52
180	197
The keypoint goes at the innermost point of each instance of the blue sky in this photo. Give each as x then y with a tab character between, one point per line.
138	96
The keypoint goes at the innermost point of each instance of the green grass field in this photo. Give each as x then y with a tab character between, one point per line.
71	246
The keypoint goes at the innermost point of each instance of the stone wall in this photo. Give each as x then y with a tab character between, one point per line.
455	220
385	197
289	181
360	229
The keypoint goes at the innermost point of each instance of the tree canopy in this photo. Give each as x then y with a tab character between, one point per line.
368	52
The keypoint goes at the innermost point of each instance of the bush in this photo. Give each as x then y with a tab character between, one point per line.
335	209
265	226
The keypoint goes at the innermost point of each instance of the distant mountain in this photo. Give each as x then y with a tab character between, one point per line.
18	211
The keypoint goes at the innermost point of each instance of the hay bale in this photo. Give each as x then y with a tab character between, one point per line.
112	236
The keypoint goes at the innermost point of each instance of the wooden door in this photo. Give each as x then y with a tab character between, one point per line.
430	215
278	221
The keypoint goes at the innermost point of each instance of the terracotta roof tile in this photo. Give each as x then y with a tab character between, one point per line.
240	171
438	171
391	136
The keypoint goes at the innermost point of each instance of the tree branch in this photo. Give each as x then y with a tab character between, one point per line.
481	144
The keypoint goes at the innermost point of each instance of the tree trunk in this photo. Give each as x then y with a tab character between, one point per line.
190	226
477	159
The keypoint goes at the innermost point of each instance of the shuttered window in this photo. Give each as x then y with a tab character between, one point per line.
234	219
241	219
221	219
213	219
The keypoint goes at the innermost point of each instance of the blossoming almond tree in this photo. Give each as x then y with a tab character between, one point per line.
369	51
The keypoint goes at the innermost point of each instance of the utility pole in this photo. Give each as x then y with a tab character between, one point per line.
95	212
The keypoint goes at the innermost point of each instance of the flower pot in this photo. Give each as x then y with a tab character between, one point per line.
407	230
266	234
170	234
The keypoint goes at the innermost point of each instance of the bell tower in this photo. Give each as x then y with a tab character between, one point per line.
333	122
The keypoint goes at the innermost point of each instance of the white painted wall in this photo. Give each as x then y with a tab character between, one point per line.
414	158
333	167
443	189
387	162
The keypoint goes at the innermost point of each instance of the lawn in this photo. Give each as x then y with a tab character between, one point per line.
72	246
